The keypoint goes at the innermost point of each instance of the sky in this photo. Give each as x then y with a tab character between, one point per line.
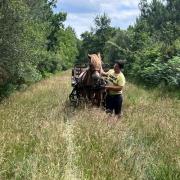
81	13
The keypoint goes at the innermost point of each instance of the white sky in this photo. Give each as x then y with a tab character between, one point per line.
81	13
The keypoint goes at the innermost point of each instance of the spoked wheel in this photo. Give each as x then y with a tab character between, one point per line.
74	98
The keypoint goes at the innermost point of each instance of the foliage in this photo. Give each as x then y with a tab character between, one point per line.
31	42
95	40
67	47
151	47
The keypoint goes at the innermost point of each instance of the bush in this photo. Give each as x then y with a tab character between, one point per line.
6	90
158	72
50	63
27	73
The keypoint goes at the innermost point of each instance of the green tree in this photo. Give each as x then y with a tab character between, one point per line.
31	41
67	47
102	32
56	25
95	40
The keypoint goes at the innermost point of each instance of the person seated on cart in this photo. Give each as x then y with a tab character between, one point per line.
114	88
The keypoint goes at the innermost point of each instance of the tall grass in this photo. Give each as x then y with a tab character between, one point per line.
144	144
32	145
41	137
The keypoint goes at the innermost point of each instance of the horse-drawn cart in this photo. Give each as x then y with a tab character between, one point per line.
75	95
76	72
94	93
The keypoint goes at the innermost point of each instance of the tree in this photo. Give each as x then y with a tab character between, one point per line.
67	47
95	40
103	32
31	42
56	21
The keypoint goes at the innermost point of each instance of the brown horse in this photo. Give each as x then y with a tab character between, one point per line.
91	80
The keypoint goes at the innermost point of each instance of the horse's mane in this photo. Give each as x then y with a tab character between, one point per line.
94	65
96	62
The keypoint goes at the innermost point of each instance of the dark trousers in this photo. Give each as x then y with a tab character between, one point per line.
114	103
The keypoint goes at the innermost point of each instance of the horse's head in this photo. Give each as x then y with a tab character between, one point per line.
95	65
90	80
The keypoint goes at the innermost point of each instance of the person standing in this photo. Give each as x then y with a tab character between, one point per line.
114	88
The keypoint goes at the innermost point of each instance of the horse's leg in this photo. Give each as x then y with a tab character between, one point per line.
99	99
96	99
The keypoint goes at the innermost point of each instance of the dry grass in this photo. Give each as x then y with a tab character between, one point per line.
144	144
31	132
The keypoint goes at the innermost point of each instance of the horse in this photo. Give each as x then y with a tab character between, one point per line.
91	82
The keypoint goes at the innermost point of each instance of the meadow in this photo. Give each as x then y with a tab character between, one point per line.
42	137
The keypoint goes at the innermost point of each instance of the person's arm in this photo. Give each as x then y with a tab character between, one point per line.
117	87
103	73
114	88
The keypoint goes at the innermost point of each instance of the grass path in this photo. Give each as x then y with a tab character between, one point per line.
71	170
41	138
32	128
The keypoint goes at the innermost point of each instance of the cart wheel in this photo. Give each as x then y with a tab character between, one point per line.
74	98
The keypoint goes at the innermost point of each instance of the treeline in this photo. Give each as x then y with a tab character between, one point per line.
33	42
151	47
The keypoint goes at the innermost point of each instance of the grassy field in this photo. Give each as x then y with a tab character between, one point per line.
41	137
